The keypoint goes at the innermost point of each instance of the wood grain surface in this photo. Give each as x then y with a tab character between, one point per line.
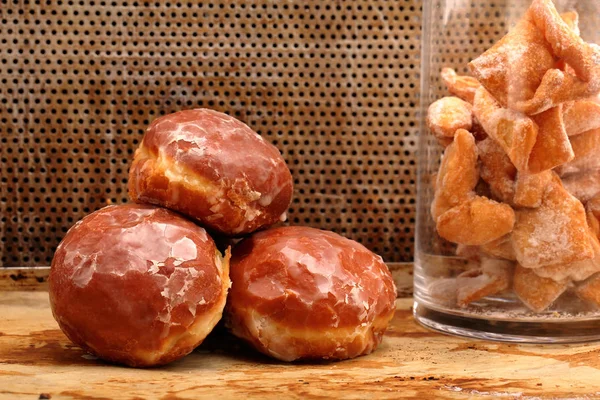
24	279
36	358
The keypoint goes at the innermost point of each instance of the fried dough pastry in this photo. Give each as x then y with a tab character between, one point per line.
500	248
476	221
514	67
530	189
590	290
535	292
593	215
571	18
581	116
576	271
584	185
558	87
521	70
586	148
497	170
593	223
552	147
593	208
443	290
565	42
472	253
483	189
493	276
458	174
448	114
514	132
462	86
554	233
535	120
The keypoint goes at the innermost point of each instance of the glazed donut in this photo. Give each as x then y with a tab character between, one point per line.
303	293
137	285
213	168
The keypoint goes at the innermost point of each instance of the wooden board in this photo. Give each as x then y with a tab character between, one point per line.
24	279
36	358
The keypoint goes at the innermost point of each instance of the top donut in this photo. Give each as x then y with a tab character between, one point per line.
213	168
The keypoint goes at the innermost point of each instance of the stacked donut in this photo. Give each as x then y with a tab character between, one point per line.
143	284
518	188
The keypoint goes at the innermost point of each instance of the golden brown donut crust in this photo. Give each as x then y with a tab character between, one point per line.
137	285
304	293
213	168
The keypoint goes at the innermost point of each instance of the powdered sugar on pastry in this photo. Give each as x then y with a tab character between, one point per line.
554	233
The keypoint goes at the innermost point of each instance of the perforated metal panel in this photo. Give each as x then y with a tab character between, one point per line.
333	84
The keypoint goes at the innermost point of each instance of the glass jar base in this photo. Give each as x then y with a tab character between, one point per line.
507	330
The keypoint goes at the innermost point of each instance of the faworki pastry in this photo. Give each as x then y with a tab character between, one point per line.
520	200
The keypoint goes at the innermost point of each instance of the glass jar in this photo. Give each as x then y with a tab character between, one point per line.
509	170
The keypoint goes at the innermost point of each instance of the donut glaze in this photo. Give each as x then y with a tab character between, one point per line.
304	293
213	168
137	285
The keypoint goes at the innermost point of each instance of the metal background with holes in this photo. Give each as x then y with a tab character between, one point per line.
334	85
